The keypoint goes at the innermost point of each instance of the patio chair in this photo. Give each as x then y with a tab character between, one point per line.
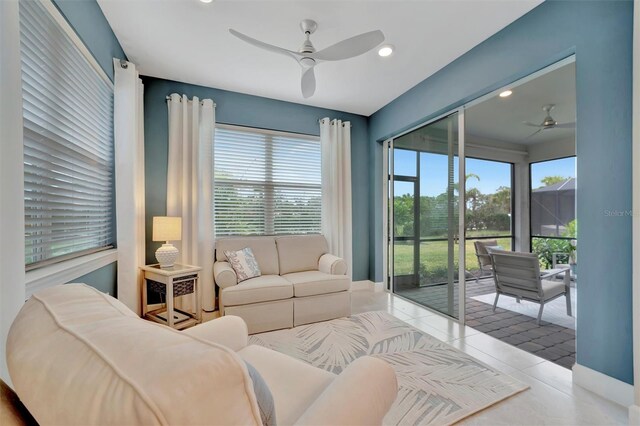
518	275
484	259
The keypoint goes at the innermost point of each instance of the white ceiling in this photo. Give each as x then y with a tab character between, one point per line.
501	119
186	40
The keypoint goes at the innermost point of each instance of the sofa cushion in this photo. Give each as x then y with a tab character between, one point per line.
78	356
300	253
264	250
259	289
310	283
294	384
243	263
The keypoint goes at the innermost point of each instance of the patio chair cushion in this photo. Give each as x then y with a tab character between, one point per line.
551	289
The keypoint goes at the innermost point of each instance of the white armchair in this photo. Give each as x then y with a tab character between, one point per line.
78	356
303	394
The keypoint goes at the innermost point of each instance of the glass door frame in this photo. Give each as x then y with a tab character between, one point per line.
387	212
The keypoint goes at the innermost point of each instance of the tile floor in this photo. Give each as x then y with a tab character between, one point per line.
552	399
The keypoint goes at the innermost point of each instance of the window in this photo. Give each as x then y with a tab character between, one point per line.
553	210
266	183
68	141
489	197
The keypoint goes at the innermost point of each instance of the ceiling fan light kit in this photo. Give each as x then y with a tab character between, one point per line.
385	51
307	56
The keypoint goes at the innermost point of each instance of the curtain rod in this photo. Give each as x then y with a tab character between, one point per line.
350	125
201	102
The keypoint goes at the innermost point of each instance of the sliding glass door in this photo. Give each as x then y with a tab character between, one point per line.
424	207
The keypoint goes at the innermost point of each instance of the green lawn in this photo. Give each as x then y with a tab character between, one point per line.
433	258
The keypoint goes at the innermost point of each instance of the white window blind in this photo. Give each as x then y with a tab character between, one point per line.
266	183
68	141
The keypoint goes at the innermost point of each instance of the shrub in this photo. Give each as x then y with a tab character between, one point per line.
545	247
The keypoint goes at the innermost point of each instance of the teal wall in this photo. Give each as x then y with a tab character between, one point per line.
252	111
600	35
104	279
87	19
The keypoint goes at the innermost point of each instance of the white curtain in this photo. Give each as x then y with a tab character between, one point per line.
128	123
335	139
190	185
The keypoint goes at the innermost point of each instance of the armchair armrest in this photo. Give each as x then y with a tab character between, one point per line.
347	401
553	272
229	331
224	275
330	264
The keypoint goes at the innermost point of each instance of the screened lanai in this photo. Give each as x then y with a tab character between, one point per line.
520	191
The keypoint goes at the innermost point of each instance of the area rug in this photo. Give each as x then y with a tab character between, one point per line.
437	383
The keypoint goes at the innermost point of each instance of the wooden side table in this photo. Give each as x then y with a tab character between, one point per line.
173	282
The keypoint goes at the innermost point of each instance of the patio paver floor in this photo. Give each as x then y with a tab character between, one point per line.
549	341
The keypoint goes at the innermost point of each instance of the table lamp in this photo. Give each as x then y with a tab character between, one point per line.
167	229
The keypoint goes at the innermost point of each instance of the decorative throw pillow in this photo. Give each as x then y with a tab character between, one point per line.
263	396
244	263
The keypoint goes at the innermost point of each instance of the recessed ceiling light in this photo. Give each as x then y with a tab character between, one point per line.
506	93
385	51
206	1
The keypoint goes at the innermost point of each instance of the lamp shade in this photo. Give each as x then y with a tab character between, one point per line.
167	228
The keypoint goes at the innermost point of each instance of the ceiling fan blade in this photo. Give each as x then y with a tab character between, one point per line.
532	135
308	83
528	123
263	45
565	125
350	47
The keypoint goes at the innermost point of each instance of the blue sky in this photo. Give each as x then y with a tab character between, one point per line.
492	174
565	167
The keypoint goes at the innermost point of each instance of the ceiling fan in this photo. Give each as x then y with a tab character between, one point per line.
548	123
308	57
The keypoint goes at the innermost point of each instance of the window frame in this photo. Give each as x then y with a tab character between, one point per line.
268	212
69	267
513	204
531	236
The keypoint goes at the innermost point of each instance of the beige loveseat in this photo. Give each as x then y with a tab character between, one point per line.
80	357
300	283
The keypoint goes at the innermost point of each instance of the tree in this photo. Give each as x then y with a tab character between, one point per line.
550	180
502	199
466	178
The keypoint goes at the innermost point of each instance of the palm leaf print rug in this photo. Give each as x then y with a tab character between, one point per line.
437	383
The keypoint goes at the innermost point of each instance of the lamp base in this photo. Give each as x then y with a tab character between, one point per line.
167	255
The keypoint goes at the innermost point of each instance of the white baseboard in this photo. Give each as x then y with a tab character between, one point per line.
362	285
606	386
366	285
634	415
